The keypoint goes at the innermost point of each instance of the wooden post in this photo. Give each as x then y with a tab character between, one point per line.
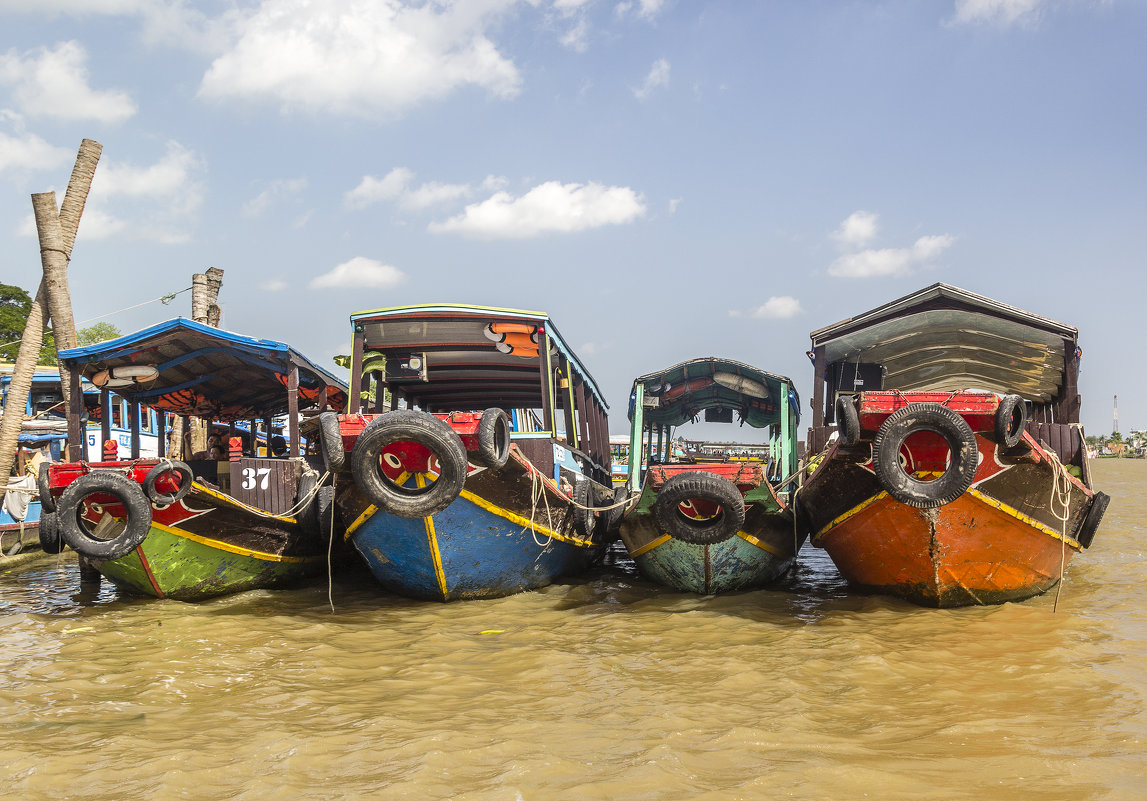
354	403
292	414
133	413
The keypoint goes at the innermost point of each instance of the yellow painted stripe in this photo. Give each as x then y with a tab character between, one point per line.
749	538
1018	515
226	546
855	510
367	514
432	538
227	499
664	538
521	521
516	519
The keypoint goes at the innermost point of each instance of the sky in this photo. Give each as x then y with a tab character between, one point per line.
667	179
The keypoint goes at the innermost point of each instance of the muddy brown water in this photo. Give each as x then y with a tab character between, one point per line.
604	687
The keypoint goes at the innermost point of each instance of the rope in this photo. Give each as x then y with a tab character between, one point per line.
1061	496
330	549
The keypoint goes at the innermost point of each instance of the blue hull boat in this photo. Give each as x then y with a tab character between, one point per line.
478	452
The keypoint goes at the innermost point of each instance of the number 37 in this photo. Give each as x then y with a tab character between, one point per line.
251	475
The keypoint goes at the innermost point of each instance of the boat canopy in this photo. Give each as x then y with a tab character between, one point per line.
460	357
189	368
947	339
679	393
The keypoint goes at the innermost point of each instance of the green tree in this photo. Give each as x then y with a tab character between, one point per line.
15	304
95	334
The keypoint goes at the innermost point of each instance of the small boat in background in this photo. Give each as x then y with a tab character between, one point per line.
716	521
177	527
478	452
948	462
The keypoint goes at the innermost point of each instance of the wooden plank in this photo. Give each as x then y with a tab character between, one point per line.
267	484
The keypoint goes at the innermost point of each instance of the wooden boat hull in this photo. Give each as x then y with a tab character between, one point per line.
483	545
999	541
762	550
207	545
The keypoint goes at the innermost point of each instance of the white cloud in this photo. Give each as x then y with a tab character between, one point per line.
675	203
657	78
778	307
154	202
646	9
172	175
30	152
359	273
858	229
997	12
364	58
551	207
372	190
890	261
283	189
54	83
274	285
397	185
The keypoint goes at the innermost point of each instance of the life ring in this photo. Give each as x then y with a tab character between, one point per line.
137	514
1011	419
494	438
697	484
742	384
962	464
331	442
44	487
50	541
847	420
406	425
186	478
1095	513
677	390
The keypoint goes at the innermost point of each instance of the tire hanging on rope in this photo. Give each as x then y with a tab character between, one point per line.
699	485
847	420
494	439
1011	419
962	464
137	515
406	425
165	466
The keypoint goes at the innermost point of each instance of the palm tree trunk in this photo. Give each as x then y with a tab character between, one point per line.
67	222
25	367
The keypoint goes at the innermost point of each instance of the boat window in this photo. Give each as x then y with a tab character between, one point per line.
116	403
146	420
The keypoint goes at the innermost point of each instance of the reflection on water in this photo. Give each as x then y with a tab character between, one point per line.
600	687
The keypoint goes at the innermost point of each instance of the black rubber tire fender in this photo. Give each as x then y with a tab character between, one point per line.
494	439
611	518
104	482
1011	420
331	442
962	464
50	541
707	486
425	429
1095	512
186	479
585	520
44	487
847	420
